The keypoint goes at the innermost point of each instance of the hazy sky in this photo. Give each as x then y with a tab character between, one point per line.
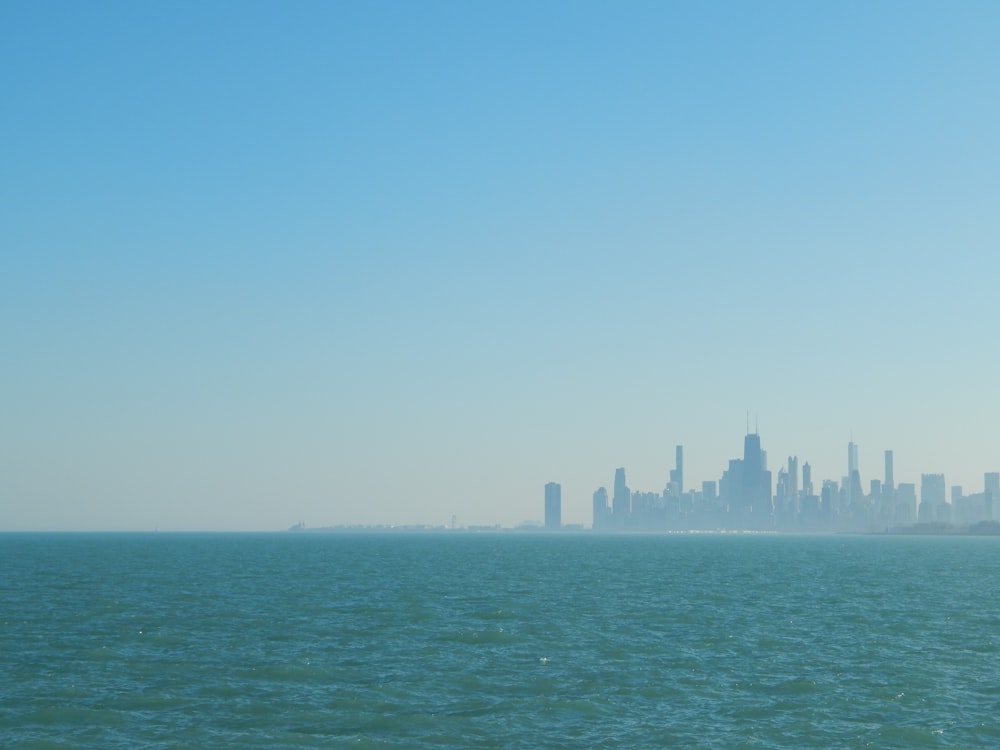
367	262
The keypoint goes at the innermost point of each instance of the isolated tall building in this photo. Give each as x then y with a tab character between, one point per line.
553	505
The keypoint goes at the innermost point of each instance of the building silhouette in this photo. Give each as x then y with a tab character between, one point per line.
553	506
677	473
905	509
991	493
793	476
601	509
933	505
745	487
887	499
745	497
621	503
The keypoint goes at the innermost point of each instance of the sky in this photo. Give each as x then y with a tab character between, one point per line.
395	263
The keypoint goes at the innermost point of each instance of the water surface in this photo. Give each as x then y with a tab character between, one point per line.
498	640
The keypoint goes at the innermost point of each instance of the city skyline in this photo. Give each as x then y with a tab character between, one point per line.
749	495
354	263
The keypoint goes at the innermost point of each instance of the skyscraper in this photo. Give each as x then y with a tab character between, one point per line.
933	506
991	492
855	494
677	474
553	506
754	483
828	501
991	482
888	483
753	465
784	505
793	476
622	500
905	510
601	509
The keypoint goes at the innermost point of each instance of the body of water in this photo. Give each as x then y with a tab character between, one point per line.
498	640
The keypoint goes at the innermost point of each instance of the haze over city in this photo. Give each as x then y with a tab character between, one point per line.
750	496
389	263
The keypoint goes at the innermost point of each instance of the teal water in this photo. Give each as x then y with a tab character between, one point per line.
498	640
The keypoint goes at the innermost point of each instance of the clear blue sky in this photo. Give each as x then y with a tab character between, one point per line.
369	262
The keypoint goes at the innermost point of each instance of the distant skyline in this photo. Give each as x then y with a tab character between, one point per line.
756	491
393	263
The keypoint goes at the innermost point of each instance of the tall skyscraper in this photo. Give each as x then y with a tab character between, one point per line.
991	492
753	466
887	499
828	501
622	500
755	480
553	506
784	504
807	480
793	476
677	474
601	509
855	494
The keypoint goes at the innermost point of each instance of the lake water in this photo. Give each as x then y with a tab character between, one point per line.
498	640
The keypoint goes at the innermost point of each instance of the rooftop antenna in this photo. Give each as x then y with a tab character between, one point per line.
756	419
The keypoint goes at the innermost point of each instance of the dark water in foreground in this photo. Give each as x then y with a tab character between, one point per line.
310	641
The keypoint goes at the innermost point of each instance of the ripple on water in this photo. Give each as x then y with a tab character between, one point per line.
299	641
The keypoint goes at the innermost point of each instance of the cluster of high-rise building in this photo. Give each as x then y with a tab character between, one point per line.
748	496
